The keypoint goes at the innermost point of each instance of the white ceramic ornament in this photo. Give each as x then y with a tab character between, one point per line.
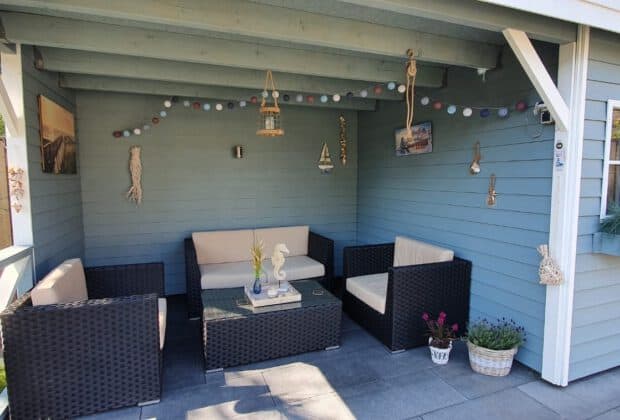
336	98
467	112
402	88
167	103
277	260
137	131
219	107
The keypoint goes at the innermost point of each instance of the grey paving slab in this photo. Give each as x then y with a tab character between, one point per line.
388	365
327	407
602	389
401	397
129	413
610	415
510	404
559	400
237	397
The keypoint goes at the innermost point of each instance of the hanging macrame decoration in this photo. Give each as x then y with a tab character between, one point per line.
270	123
343	140
548	271
410	74
134	194
325	161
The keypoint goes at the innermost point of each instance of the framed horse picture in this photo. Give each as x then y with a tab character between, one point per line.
58	142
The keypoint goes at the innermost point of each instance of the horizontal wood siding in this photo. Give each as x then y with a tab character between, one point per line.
55	199
595	344
191	181
433	197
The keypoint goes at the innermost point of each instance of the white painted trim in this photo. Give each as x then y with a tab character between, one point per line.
565	196
611	105
7	111
17	145
537	73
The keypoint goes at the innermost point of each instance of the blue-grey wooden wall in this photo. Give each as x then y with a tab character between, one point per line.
191	182
55	199
595	343
433	197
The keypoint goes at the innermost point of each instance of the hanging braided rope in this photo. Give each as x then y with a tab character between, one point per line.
135	169
411	72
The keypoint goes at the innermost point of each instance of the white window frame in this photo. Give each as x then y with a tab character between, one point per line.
611	105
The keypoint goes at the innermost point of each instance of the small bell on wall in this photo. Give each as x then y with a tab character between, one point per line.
270	123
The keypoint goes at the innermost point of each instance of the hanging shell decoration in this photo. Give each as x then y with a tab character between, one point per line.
474	168
16	188
134	194
343	140
492	196
548	271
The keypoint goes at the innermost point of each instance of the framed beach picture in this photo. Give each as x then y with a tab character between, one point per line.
58	143
422	140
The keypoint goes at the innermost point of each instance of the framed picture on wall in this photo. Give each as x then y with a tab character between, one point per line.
58	143
422	140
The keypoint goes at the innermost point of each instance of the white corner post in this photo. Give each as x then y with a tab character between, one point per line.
566	102
12	97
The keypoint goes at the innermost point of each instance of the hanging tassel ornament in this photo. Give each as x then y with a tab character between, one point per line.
410	75
548	271
134	194
343	140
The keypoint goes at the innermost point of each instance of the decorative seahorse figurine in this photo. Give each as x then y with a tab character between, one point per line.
277	259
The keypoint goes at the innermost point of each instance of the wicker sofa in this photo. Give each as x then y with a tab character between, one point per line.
387	296
221	259
98	348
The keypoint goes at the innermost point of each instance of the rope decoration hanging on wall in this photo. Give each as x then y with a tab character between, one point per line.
343	140
410	74
548	271
134	194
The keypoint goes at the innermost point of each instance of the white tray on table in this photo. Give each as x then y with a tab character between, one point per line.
262	299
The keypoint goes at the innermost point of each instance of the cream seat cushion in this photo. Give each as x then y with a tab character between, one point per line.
370	289
295	238
66	283
411	252
162	309
238	274
223	246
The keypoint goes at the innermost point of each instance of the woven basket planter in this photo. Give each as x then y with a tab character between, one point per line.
490	362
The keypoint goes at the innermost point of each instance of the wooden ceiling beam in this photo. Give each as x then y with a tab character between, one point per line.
82	62
256	21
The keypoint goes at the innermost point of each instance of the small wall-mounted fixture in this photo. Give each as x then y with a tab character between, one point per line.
238	152
543	113
474	168
492	196
16	188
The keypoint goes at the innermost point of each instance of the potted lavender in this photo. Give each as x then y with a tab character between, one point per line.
440	337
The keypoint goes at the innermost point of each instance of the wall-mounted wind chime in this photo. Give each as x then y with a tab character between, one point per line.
343	140
474	168
270	123
410	74
492	196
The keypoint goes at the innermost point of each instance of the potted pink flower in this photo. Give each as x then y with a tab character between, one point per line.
440	337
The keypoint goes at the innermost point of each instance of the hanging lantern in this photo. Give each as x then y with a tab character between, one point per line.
270	124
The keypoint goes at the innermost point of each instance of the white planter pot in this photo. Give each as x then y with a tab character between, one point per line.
439	356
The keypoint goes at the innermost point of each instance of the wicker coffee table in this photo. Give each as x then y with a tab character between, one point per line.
235	333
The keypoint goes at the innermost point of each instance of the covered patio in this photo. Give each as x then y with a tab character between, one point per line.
413	156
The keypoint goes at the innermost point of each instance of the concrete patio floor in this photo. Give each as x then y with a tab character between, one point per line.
360	380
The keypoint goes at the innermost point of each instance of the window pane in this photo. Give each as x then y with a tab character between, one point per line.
613	187
615	135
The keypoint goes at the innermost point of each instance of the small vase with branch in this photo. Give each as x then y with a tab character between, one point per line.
258	255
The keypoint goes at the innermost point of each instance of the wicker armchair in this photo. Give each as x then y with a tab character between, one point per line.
320	249
411	291
72	359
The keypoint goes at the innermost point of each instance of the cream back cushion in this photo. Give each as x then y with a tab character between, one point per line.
411	252
66	283
294	237
223	246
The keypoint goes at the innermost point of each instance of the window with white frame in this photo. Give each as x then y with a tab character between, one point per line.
611	170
